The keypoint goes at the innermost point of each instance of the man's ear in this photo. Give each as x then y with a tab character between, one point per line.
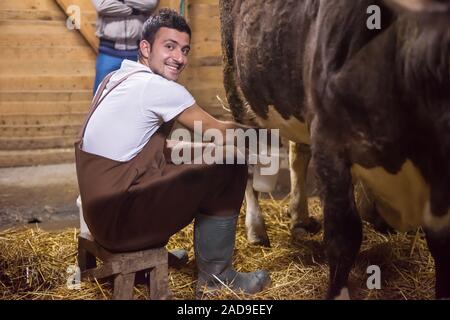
144	47
419	6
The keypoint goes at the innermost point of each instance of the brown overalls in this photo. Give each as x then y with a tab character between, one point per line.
140	203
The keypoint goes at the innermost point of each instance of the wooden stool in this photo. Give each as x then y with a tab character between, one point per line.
123	267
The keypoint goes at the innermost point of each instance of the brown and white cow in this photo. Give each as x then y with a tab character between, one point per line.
374	104
292	128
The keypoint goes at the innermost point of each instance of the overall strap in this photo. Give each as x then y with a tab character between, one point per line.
98	98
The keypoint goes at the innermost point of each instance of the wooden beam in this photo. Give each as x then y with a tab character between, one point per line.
86	29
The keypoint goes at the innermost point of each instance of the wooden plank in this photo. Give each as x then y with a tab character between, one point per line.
47	82
173	4
42	118
159	283
207	61
36	27
86	5
43	109
34	143
38	33
205	86
18	158
23	99
208	74
209	10
206	34
198	2
86	29
199	23
47	5
38	130
29	5
207	97
41	40
15	14
33	14
205	49
38	54
46	67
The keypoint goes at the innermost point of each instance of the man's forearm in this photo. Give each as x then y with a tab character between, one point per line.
230	138
235	125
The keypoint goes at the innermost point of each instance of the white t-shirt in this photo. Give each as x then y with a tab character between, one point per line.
126	119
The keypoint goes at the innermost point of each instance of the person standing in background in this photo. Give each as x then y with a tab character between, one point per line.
119	25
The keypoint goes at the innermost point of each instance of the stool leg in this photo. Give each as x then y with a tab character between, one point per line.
123	286
159	283
86	260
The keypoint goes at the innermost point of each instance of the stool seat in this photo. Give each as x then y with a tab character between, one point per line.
123	267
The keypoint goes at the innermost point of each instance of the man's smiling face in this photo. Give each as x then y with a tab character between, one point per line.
167	56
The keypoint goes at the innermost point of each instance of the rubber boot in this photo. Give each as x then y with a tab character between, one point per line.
214	239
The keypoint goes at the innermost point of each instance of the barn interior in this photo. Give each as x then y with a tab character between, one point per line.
47	72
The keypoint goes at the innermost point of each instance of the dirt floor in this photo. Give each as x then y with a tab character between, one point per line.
40	194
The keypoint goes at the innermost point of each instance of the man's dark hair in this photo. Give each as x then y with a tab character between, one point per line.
167	18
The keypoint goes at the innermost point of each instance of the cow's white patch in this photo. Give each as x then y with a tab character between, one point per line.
343	295
433	222
292	128
401	198
254	220
253	208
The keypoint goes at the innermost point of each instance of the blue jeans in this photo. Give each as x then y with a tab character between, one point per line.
106	64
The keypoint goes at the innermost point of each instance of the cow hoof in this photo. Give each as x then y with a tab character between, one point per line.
258	240
302	229
343	295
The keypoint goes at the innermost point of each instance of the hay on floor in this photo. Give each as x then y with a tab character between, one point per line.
35	264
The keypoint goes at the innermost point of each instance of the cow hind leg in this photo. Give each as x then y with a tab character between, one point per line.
342	223
439	245
301	222
254	220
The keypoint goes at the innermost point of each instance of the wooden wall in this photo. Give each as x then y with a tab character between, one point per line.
204	73
46	78
47	73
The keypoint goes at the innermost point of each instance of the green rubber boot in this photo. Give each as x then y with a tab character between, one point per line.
214	239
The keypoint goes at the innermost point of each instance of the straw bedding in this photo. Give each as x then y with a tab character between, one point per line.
35	264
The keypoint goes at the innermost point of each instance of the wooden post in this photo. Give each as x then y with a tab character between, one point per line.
86	29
